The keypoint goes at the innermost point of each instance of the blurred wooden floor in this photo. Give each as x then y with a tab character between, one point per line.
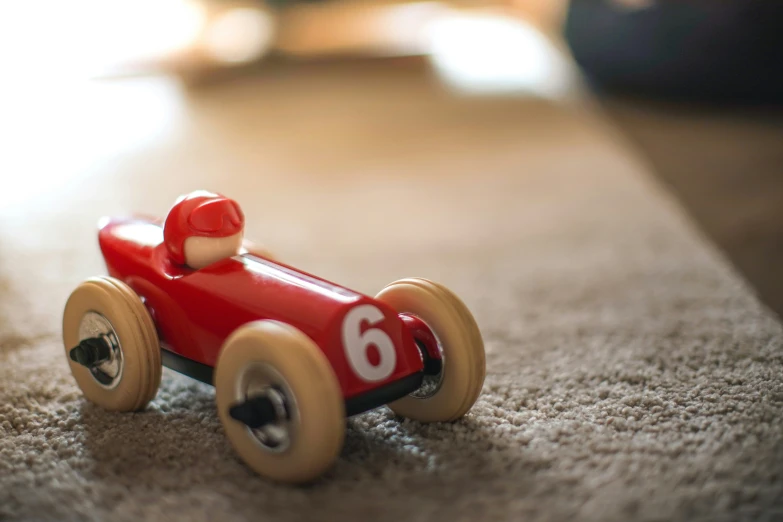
726	167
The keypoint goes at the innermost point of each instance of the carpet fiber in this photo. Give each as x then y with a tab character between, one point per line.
631	374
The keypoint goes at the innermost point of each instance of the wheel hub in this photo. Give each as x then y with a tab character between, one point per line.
99	350
431	353
265	405
260	410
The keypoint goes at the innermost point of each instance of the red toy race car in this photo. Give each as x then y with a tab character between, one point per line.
290	354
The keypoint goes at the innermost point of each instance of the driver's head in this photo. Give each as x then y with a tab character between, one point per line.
202	228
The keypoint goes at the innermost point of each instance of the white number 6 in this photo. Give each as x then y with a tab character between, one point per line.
356	344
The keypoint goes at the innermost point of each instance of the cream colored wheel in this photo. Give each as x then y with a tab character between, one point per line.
274	372
450	394
111	345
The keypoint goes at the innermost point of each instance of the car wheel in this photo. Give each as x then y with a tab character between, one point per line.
450	393
111	345
280	402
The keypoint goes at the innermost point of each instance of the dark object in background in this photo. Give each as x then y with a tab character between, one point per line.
711	51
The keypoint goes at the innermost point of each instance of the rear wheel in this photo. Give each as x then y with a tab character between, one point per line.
450	393
280	402
111	344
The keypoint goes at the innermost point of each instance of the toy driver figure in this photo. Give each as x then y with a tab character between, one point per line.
203	228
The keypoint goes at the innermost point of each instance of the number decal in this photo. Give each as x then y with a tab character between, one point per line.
356	343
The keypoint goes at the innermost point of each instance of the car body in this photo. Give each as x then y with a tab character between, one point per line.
195	311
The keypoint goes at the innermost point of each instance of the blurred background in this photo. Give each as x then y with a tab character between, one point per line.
99	95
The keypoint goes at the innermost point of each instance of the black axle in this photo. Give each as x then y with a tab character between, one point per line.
255	412
91	352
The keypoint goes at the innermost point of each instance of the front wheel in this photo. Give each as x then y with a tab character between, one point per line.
279	402
451	393
111	344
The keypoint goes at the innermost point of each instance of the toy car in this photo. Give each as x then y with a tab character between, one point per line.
290	354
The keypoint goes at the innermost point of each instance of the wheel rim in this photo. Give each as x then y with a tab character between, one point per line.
261	379
108	373
431	383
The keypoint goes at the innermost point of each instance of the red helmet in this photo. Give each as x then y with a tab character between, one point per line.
200	213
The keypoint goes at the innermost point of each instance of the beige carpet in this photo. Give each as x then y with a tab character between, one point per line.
632	375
